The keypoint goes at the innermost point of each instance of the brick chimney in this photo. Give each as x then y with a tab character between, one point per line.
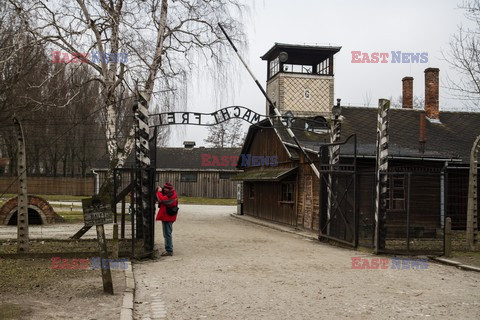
422	137
189	144
431	93
407	93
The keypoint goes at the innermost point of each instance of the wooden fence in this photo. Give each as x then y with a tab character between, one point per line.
50	185
204	184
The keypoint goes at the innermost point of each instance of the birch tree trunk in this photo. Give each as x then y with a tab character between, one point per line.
165	42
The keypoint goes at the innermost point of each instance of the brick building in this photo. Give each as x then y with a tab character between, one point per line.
429	151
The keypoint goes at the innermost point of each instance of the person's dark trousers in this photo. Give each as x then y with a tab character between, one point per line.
167	235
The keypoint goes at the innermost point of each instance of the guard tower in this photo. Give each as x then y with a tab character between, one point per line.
300	79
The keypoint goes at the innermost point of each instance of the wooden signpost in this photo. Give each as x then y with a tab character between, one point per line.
96	213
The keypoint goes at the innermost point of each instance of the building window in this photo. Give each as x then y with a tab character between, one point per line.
396	193
227	175
324	67
188	177
274	67
297	68
288	194
251	193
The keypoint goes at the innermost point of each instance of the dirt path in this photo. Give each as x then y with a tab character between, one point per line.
31	290
224	268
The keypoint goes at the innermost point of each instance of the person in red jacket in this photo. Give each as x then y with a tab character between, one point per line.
167	198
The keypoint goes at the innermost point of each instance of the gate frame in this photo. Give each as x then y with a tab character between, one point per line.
408	174
146	230
329	170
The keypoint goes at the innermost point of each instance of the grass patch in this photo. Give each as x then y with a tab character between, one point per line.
207	201
10	311
57	197
76	205
77	216
71	216
49	197
182	200
468	258
473	254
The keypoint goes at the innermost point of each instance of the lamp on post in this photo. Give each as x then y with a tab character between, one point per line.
288	118
335	124
337	109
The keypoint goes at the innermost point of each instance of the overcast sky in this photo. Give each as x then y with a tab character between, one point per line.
368	26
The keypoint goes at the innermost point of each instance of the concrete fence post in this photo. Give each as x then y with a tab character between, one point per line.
448	237
23	244
472	207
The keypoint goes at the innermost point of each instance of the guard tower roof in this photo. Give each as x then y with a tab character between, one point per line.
301	53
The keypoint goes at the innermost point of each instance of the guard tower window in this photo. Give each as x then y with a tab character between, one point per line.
297	68
274	67
300	59
324	67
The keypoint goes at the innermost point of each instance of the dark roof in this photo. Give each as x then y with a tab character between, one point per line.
306	54
181	158
451	138
309	140
265	174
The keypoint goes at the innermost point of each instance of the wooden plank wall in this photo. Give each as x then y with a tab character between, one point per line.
425	201
266	203
51	185
308	206
266	143
424	197
208	185
457	198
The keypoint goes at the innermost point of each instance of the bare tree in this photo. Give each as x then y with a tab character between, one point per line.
226	134
396	102
464	56
20	64
236	136
367	98
418	102
217	135
164	41
19	55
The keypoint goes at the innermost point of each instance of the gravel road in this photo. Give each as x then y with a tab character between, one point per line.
225	268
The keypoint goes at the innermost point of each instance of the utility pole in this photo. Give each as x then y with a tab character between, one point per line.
22	200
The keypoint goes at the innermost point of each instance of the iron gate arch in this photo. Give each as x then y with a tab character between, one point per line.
141	177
